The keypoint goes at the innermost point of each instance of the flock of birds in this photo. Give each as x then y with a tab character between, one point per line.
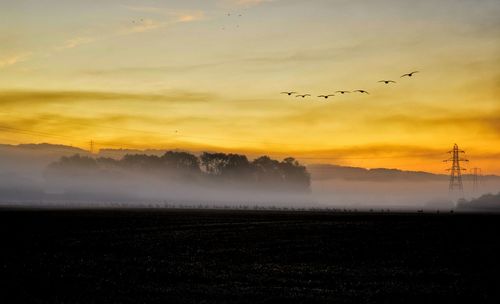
325	96
342	92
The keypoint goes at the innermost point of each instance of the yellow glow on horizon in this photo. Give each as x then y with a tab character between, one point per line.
191	77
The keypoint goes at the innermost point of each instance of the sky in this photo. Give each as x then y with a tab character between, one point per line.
196	75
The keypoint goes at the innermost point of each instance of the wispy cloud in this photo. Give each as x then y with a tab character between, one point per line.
169	18
47	97
145	26
75	42
251	2
489	123
190	16
173	15
13	59
245	3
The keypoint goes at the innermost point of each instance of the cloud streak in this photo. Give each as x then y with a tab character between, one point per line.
173	15
245	3
489	122
47	97
14	59
75	42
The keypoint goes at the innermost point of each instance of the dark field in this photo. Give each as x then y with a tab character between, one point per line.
247	257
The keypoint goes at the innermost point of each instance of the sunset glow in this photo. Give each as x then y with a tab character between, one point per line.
207	75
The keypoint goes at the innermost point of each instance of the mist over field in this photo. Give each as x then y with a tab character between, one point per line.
33	175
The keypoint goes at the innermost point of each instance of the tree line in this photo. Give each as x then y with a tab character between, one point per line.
263	172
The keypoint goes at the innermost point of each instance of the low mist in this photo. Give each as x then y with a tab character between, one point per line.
46	175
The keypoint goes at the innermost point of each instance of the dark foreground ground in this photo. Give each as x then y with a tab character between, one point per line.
247	257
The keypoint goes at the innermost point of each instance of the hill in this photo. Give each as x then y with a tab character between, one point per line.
325	172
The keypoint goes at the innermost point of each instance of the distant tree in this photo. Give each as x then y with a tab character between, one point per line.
237	167
140	161
107	163
262	172
295	174
75	165
228	166
76	162
180	161
267	170
213	163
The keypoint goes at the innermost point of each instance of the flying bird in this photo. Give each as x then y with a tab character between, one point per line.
303	96
343	92
326	96
409	74
361	91
289	93
387	81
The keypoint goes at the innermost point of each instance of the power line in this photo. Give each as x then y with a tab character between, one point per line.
372	157
34	133
94	143
176	135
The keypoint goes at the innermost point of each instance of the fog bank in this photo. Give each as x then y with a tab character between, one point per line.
28	178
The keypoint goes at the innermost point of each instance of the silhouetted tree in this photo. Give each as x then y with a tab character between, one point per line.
227	166
267	170
237	167
181	161
107	163
295	174
140	161
263	172
213	163
74	165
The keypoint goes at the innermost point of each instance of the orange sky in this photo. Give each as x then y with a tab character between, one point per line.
190	76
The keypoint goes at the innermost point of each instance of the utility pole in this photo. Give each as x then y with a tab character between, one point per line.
455	170
476	175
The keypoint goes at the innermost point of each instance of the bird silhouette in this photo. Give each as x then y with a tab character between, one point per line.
409	74
289	93
387	81
343	92
361	91
303	96
326	96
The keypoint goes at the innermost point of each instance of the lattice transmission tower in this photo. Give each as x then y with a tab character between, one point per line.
476	175
455	170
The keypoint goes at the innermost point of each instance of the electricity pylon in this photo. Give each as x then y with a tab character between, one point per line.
476	175
456	170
